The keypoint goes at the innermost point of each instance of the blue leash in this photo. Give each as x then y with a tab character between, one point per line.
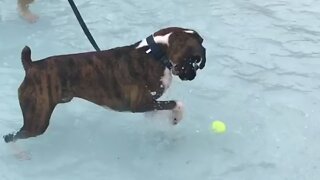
83	25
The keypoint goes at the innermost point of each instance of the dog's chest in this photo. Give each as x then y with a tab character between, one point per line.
165	82
166	79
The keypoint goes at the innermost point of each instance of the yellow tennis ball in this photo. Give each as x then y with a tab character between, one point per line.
218	127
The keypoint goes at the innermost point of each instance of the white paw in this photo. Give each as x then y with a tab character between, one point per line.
177	113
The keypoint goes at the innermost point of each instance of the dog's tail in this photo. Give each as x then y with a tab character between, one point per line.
26	58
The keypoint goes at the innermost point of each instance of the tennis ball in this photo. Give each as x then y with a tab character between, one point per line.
218	127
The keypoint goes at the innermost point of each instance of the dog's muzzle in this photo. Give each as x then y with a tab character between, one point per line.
188	70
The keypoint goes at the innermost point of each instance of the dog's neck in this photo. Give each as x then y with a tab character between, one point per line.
155	46
159	39
156	51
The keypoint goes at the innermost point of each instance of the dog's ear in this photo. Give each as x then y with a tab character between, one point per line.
200	39
203	61
202	50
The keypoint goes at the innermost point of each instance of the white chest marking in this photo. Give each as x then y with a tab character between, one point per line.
166	79
158	39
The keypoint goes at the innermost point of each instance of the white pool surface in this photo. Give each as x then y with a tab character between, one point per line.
262	79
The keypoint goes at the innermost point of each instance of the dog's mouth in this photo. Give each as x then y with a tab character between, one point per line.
188	69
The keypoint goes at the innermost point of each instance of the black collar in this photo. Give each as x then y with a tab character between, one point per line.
157	53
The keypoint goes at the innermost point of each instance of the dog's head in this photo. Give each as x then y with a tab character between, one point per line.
185	51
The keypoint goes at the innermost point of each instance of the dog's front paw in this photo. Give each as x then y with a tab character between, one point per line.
177	113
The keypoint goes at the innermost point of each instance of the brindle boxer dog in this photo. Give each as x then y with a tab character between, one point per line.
129	78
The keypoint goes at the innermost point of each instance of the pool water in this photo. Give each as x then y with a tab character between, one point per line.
261	79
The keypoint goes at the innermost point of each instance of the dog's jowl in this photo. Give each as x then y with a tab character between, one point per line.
129	78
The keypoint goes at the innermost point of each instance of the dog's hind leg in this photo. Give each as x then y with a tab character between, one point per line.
36	110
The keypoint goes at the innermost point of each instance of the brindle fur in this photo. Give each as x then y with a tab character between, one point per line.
120	78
